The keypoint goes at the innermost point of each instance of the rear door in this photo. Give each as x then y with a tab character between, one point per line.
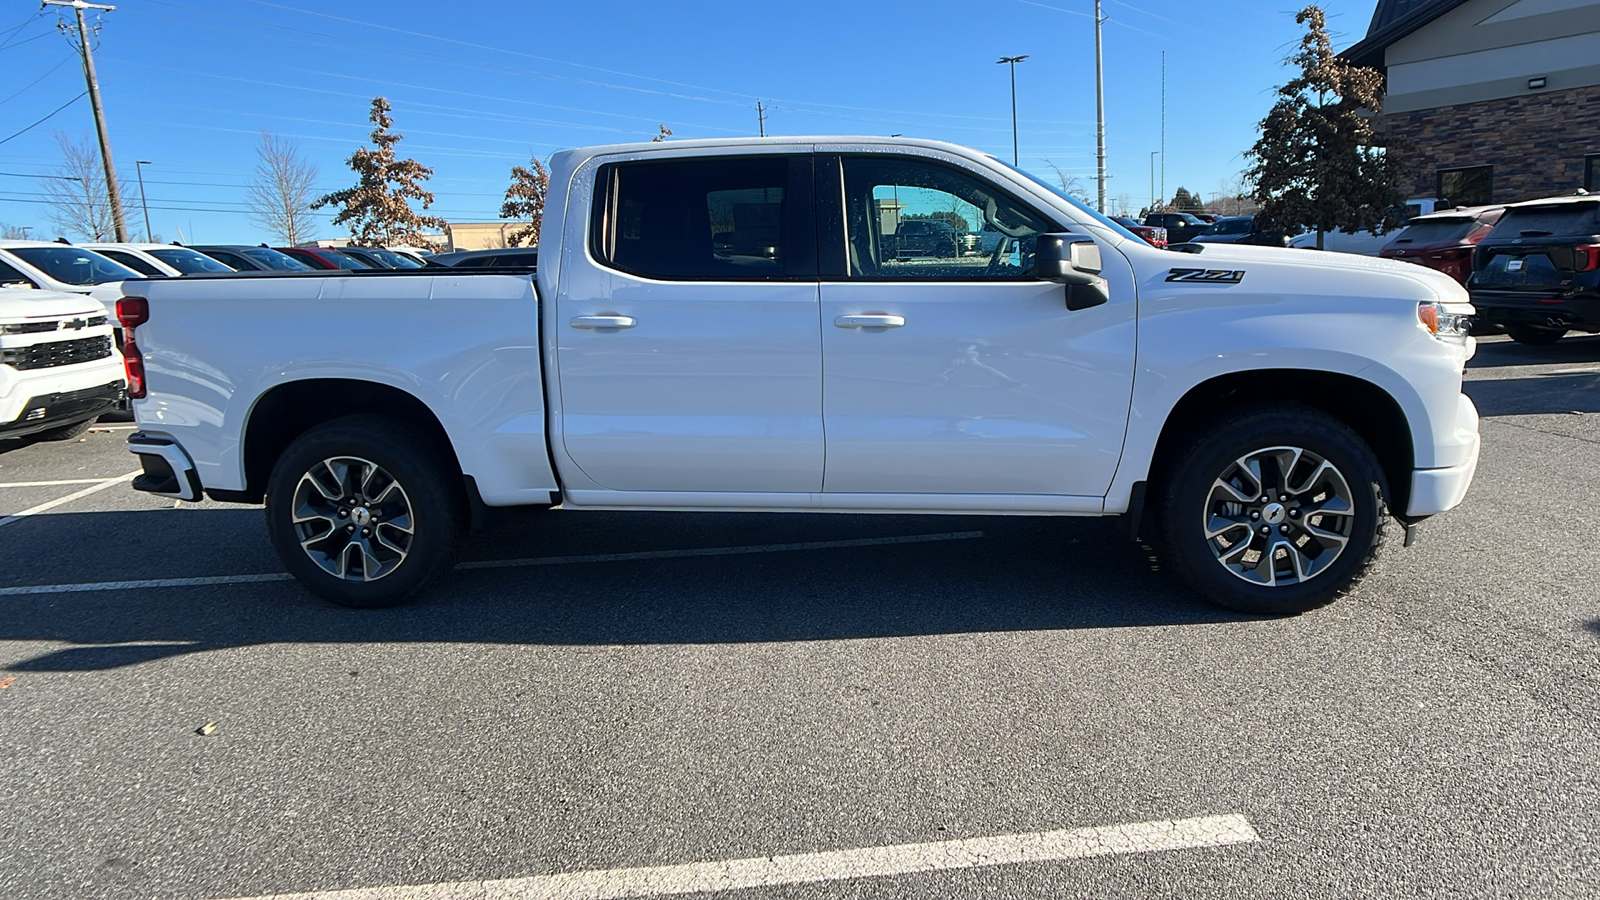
960	372
688	346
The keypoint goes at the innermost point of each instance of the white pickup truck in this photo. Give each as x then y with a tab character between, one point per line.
714	325
58	368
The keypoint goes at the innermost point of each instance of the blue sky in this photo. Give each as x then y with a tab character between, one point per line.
477	88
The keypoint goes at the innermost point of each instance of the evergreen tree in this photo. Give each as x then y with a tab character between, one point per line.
525	201
1318	162
1183	201
378	209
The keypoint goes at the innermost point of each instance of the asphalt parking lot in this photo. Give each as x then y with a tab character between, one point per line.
794	706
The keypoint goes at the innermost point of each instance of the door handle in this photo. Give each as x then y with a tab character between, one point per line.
870	321
603	322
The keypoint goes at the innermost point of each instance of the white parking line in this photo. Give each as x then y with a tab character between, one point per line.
6	484
493	563
98	486
836	865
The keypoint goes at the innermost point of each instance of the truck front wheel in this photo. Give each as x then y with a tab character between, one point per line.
1276	509
364	512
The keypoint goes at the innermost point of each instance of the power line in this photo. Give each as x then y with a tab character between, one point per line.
30	84
47	118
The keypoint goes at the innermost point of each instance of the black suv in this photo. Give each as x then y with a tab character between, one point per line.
1538	272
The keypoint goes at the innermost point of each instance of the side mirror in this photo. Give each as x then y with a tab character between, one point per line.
1067	258
1072	260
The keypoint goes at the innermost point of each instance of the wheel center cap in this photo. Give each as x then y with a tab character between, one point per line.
360	516
1272	513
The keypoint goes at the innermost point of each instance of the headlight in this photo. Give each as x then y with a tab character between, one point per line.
1442	323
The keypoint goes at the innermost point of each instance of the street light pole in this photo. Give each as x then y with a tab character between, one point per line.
1100	105
138	166
1012	62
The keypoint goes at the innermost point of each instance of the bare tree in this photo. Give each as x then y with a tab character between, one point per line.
279	196
525	201
378	209
13	232
1070	185
76	191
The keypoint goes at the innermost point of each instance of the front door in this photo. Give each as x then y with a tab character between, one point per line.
948	368
687	332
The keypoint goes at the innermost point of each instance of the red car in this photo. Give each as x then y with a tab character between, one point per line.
1444	240
1153	235
323	258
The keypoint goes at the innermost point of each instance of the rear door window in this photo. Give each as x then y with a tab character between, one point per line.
728	219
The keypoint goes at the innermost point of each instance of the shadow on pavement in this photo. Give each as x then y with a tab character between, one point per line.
1535	395
1574	348
1024	574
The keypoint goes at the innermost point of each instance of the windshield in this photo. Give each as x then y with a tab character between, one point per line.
74	265
1232	225
1077	204
399	261
272	259
189	262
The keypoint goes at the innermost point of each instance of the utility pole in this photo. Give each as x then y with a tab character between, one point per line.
78	6
1012	62
761	117
138	166
1163	127
1100	105
1153	201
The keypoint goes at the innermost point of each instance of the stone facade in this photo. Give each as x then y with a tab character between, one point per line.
1536	143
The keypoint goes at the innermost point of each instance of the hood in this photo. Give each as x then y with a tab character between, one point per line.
1217	255
17	304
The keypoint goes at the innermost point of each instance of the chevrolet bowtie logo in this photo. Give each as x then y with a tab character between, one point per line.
74	324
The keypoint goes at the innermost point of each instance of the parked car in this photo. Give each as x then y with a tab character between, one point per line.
53	266
1364	242
1537	272
922	238
1240	230
500	257
1153	235
1181	227
245	258
379	258
1444	240
324	258
58	366
1272	406
160	259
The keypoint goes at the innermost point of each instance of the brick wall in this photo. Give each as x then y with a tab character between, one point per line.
1536	142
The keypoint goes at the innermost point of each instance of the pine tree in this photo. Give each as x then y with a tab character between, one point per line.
1318	162
1183	201
525	201
377	209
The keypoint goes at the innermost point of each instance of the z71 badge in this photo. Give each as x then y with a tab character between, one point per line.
1207	276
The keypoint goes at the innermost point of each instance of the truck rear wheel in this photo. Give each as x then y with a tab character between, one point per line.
363	512
1276	509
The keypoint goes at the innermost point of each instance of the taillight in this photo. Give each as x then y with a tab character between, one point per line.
1588	256
133	312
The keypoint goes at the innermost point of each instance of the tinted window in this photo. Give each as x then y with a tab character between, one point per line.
233	259
9	275
1556	219
346	261
728	219
395	260
912	219
272	259
1434	231
187	261
1466	187
143	267
1232	225
474	262
74	266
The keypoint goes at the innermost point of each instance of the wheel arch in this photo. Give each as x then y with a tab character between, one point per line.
1369	410
292	408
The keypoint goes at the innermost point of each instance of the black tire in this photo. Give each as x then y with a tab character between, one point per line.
65	432
1187	501
1535	336
400	565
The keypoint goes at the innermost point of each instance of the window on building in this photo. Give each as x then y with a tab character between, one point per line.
1471	186
1591	172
